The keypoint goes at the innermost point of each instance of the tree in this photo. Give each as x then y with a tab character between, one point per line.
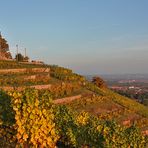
26	59
19	57
8	55
4	49
99	82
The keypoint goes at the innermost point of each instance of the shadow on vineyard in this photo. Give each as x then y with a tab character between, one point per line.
6	110
7	121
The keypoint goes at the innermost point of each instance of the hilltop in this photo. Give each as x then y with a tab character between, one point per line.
73	91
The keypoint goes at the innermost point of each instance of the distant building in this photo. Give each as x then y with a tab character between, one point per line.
37	62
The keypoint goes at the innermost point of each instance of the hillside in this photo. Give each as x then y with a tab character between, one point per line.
73	91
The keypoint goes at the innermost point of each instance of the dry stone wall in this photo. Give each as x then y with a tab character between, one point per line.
39	87
67	99
24	70
37	76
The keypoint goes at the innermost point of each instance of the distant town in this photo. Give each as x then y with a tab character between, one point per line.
134	86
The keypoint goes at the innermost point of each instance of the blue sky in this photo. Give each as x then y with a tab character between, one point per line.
88	36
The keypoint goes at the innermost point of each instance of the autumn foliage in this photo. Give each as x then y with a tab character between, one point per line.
4	49
99	82
31	120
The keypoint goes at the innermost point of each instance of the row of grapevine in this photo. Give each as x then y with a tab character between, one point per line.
92	102
29	119
83	130
65	74
19	81
64	89
92	87
128	103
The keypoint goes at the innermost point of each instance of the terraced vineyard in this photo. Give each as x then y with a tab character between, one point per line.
17	65
73	98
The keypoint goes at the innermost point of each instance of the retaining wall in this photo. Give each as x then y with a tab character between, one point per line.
24	70
66	99
39	87
37	76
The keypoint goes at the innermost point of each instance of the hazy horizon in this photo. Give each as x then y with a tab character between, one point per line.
90	37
